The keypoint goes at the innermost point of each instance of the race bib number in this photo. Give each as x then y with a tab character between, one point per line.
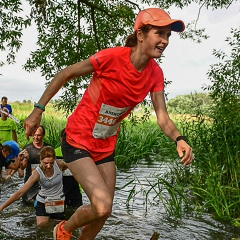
54	205
109	119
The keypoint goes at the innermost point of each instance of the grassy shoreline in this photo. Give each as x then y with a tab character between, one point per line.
212	182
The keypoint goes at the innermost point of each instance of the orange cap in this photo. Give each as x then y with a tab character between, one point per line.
157	17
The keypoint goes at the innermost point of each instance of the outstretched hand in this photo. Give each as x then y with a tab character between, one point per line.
32	122
185	152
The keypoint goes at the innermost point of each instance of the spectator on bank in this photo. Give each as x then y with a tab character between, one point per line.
71	188
50	199
5	104
8	128
11	155
32	162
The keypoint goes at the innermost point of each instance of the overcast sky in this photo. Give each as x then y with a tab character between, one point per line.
185	64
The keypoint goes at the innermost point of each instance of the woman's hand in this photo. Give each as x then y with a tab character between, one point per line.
185	152
32	122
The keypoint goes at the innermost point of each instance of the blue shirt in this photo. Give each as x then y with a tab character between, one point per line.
8	106
15	149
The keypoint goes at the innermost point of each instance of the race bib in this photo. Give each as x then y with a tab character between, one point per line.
109	119
54	205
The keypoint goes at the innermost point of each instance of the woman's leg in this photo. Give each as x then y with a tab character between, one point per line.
98	182
42	220
91	230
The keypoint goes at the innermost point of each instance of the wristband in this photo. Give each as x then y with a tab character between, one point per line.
38	105
184	138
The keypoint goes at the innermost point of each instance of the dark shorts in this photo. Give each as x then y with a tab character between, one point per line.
71	153
40	211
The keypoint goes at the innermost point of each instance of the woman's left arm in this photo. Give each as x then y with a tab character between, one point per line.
169	128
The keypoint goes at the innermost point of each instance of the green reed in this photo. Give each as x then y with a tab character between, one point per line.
52	120
140	141
216	143
212	182
2	235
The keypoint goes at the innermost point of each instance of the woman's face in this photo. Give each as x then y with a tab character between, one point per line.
155	41
47	164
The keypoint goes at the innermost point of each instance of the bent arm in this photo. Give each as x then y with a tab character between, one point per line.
23	164
169	128
24	161
17	195
14	165
76	70
22	155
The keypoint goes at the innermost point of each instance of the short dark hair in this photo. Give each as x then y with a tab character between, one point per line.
43	129
4	98
6	148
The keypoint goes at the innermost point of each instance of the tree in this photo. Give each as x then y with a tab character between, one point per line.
11	27
191	104
225	87
225	75
69	31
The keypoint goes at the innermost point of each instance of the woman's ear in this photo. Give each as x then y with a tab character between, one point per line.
139	35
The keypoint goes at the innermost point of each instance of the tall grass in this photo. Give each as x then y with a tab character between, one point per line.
53	121
216	144
140	141
210	184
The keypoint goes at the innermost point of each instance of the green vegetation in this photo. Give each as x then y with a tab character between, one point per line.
2	235
210	184
54	121
212	125
190	104
83	29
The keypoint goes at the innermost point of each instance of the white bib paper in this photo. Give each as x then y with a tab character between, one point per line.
54	205
108	121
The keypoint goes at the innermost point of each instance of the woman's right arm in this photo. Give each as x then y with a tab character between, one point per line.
76	70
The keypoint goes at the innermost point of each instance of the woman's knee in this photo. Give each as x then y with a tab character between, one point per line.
103	207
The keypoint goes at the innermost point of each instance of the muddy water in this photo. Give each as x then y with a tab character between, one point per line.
127	222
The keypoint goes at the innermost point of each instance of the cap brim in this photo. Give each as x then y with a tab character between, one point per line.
176	25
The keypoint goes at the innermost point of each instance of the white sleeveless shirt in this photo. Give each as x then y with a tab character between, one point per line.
50	186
